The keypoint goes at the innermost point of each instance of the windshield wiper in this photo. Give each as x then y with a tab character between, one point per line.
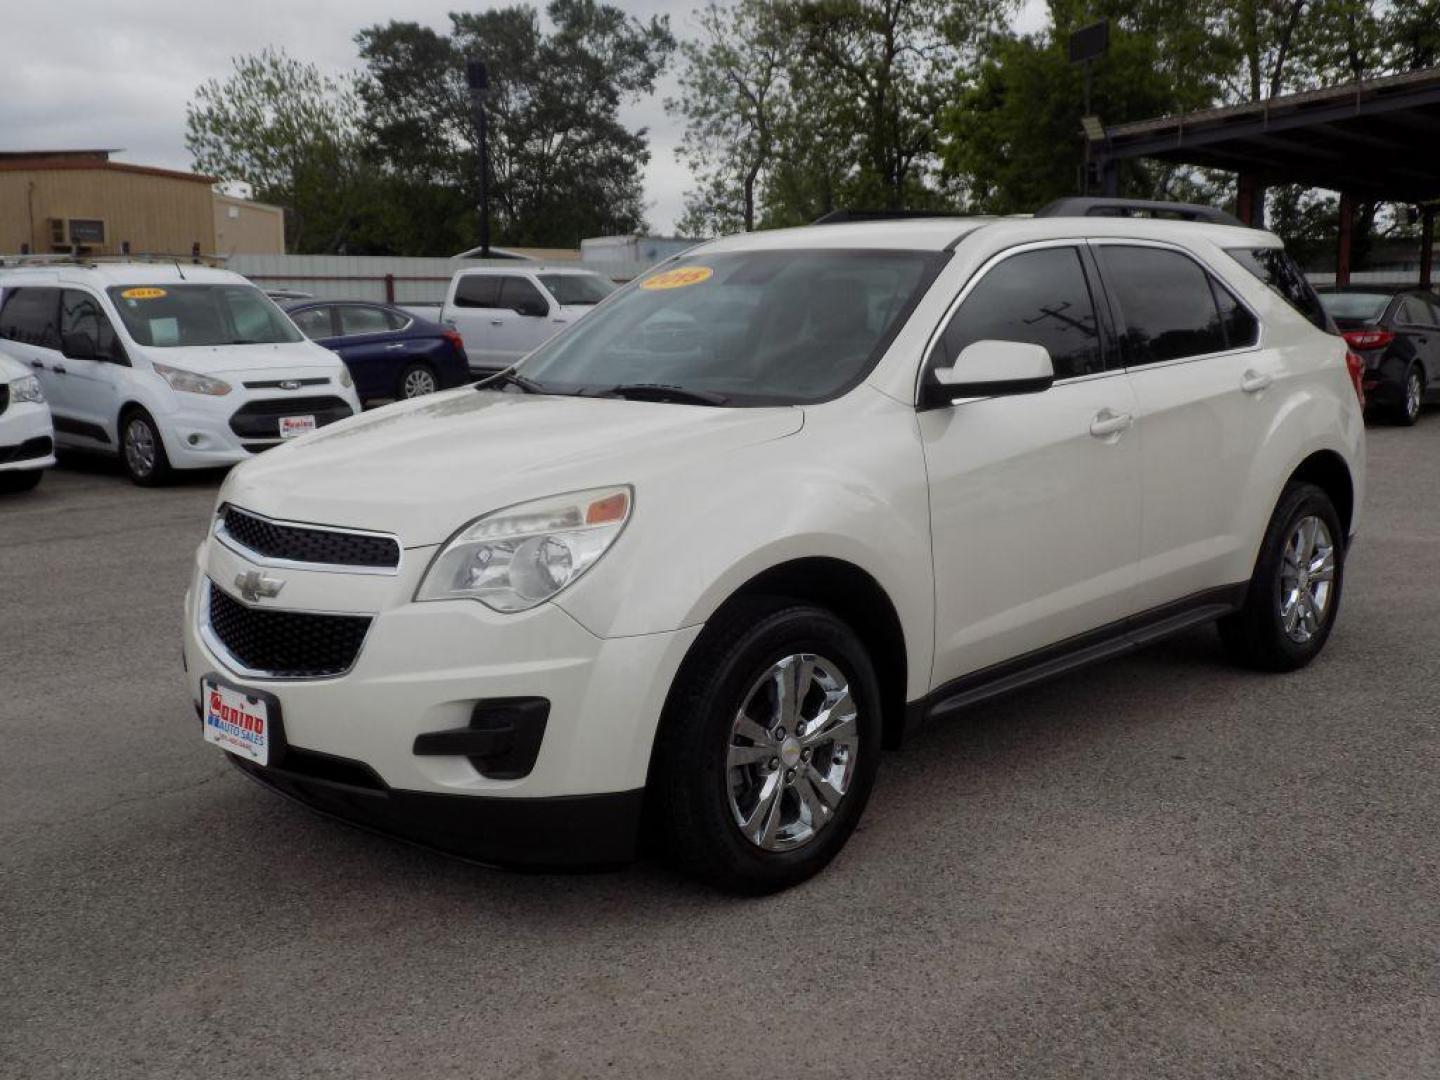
513	378
664	392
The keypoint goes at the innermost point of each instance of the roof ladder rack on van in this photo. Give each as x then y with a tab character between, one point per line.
96	260
1092	206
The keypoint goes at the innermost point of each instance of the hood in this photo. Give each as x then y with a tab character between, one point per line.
285	358
11	369
421	469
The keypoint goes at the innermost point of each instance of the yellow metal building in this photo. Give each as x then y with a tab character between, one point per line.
80	202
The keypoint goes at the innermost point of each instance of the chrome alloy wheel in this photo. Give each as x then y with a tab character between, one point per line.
418	383
1307	579
792	752
140	447
1414	394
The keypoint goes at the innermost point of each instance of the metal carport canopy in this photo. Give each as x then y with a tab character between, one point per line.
1370	140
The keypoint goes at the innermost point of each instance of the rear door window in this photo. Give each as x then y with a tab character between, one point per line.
358	319
517	292
1039	297
31	316
478	291
1277	269
1166	304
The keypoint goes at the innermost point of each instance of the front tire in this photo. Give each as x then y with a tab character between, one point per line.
768	748
142	451
15	482
1294	594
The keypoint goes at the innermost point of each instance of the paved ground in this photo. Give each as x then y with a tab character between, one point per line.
1159	868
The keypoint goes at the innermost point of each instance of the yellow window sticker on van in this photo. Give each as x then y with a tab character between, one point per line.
142	294
682	277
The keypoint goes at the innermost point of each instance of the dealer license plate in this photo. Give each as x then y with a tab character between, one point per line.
237	722
291	426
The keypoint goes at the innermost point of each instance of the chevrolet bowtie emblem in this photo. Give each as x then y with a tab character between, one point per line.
253	586
290	384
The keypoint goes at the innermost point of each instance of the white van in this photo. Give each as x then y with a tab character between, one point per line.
503	313
168	366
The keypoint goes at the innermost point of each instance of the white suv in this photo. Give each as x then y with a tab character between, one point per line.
765	511
166	366
502	313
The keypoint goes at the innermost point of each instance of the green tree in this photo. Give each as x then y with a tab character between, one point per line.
562	165
291	135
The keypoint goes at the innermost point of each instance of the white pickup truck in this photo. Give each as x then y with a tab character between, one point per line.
503	313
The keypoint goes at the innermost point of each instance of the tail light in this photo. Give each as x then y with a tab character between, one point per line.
1356	367
1365	340
455	340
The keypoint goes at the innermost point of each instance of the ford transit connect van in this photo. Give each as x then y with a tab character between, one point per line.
167	366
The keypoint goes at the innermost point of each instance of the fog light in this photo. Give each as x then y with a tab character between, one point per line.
194	440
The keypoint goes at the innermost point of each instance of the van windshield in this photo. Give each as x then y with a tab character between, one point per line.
176	315
758	328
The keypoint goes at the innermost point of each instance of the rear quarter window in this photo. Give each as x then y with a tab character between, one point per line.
1278	270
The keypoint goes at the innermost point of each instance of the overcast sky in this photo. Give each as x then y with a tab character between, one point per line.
104	73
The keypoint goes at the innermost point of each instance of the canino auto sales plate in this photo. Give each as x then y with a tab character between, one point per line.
236	722
292	426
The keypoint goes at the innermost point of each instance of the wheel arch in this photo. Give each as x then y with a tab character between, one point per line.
1328	471
860	601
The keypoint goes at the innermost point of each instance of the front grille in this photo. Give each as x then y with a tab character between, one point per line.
261	419
279	384
304	544
30	448
286	644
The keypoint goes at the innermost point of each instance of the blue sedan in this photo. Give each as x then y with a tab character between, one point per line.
390	353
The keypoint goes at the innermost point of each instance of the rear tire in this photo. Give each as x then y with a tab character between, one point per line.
15	482
416	380
142	451
755	787
1294	594
1412	396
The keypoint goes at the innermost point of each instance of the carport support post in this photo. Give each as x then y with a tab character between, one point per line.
1347	226
1250	200
1427	245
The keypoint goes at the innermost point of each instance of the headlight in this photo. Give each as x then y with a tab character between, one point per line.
189	382
521	556
345	379
26	389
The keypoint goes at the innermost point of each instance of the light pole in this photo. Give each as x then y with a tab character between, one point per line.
478	80
1087	45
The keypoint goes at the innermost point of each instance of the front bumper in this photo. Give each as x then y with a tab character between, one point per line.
202	432
422	669
26	437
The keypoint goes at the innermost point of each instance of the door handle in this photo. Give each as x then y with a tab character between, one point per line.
1108	422
560	320
397	345
497	322
1252	382
37	365
58	370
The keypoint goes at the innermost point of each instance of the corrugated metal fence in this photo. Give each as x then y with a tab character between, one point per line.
395	280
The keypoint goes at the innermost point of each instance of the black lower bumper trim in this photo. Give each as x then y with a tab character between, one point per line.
565	832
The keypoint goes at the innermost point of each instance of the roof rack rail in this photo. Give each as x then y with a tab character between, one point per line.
96	260
1092	206
842	217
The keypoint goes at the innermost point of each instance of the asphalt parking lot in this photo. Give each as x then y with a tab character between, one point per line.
1162	867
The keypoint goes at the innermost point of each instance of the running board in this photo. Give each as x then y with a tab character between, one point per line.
1107	642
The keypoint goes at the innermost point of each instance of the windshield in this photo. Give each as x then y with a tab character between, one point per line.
1361	307
577	288
173	315
769	327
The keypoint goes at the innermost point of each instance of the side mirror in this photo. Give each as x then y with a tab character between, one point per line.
534	309
79	347
990	369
